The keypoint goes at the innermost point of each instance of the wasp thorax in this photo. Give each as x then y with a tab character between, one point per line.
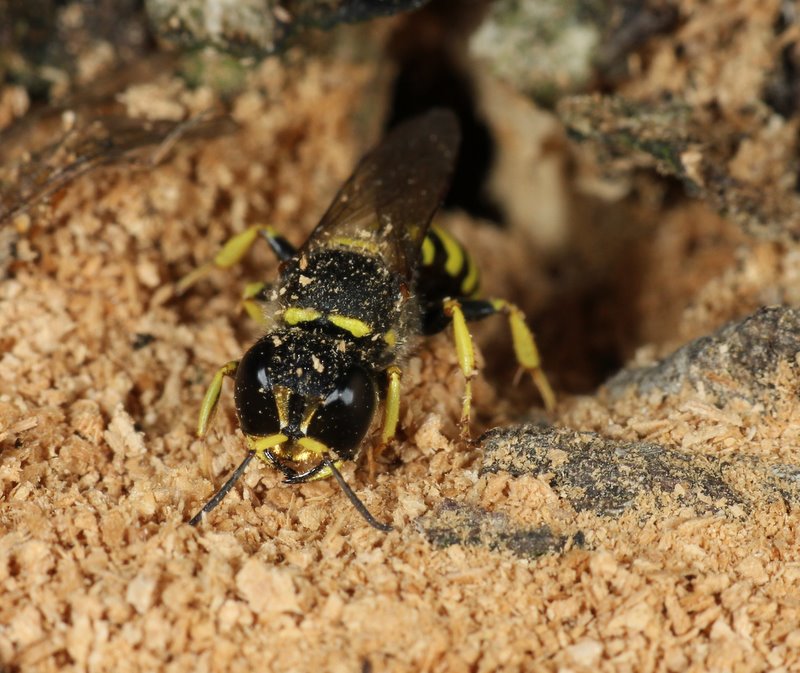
300	383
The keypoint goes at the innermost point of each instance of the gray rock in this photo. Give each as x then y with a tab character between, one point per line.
606	476
739	360
457	523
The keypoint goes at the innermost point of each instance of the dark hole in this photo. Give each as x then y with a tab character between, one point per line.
782	91
429	76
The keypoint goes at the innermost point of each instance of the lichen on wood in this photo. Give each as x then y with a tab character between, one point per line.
695	147
258	28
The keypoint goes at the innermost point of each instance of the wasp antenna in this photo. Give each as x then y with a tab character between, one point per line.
223	491
360	506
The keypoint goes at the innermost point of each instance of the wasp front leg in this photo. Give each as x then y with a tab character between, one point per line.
253	298
211	399
391	417
235	249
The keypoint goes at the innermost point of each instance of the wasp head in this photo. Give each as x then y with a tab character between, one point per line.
305	385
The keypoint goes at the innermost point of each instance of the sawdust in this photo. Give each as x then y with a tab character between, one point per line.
103	371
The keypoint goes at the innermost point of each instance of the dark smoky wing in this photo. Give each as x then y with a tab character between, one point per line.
391	197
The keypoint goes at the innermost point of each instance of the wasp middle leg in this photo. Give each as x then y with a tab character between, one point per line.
234	249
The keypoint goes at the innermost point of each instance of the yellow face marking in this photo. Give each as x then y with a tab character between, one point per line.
281	394
261	444
298	454
311	409
390	338
356	327
314	446
455	255
295	315
428	251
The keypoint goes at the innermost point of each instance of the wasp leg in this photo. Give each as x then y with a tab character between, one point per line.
254	295
391	416
234	249
465	353
211	398
525	350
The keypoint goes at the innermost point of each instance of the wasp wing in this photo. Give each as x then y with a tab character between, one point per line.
388	202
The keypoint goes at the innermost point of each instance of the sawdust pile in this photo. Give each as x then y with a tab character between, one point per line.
655	529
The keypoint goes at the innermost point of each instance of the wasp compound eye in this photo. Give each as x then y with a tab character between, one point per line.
255	400
344	417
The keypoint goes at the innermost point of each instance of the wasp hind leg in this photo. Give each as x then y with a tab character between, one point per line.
453	310
459	311
235	249
525	349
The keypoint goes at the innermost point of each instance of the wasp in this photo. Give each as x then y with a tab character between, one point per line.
349	306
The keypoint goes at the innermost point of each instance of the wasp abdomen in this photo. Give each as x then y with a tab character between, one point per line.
446	268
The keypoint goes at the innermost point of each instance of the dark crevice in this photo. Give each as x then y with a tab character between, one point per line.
426	49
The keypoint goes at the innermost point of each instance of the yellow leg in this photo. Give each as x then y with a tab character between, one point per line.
465	352
231	253
252	307
525	350
391	414
391	417
211	398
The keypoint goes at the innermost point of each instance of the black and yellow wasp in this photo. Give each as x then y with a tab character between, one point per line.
348	308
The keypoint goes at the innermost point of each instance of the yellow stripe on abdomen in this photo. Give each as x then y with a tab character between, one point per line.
453	251
471	282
